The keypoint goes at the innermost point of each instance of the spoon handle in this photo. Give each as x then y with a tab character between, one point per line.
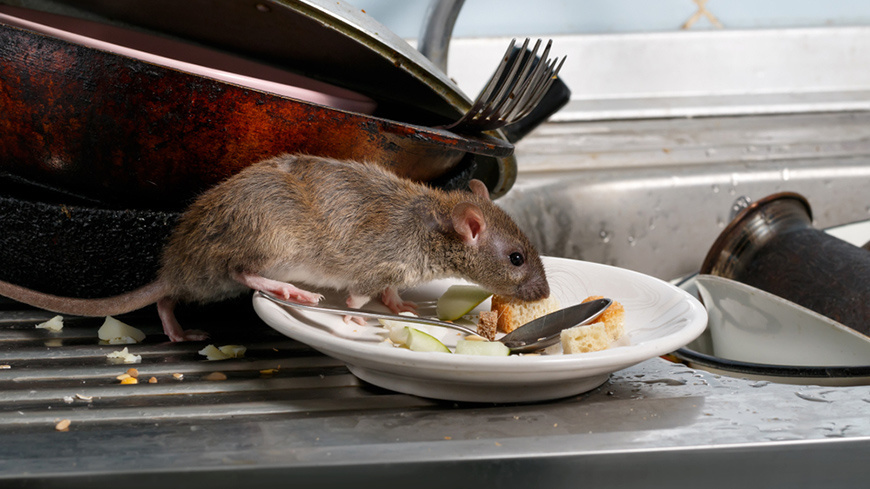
366	314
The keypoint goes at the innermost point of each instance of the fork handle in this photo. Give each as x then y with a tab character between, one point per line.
557	96
366	314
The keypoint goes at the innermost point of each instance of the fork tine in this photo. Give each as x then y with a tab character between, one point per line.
496	77
541	92
519	83
534	95
529	84
483	98
524	59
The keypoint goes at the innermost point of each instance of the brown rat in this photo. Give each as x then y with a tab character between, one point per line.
326	224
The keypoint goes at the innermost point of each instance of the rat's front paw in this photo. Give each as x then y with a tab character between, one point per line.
355	319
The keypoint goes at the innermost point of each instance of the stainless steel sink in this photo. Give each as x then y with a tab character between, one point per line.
653	195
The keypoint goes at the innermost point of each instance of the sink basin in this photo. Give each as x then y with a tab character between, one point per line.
653	195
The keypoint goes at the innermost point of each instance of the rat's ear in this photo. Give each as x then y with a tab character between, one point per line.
468	222
479	188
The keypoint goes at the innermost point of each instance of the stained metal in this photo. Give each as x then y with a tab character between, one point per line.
288	415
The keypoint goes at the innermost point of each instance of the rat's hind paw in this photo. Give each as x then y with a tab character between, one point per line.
192	335
392	300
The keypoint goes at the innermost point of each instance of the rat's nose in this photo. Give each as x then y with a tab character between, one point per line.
534	291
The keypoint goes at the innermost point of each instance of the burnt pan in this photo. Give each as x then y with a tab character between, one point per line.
133	134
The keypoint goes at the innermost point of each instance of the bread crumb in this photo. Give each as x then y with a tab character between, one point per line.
584	338
613	318
63	425
513	313
177	376
152	380
132	372
487	324
216	376
5	367
130	380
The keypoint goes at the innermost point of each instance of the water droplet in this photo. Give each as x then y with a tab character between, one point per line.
605	236
711	151
785	174
632	241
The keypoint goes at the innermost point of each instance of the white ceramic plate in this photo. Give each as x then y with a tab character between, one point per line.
187	57
659	318
750	325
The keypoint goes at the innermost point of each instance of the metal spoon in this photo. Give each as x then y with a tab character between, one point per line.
535	335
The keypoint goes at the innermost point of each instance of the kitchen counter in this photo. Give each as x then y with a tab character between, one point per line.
658	423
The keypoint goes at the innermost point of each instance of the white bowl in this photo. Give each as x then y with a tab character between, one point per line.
750	325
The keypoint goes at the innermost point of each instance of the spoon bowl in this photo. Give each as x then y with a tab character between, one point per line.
532	336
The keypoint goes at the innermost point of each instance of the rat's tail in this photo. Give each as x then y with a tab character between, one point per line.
102	306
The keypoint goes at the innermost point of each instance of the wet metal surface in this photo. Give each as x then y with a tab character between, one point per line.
286	412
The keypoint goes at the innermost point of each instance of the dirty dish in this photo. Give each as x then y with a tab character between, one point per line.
751	325
659	318
533	336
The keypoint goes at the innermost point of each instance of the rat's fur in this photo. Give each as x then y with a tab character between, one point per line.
324	223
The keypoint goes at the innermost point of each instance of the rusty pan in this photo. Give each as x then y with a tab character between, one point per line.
132	134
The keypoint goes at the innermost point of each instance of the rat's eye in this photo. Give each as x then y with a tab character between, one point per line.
517	259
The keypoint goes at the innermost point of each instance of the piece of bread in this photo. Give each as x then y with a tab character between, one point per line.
607	328
513	313
613	318
487	324
584	338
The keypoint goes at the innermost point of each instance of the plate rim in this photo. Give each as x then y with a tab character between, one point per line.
611	358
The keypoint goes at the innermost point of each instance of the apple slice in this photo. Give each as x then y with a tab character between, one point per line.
420	341
485	348
459	300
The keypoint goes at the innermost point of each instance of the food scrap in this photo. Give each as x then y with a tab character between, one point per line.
225	352
596	336
513	313
63	425
216	376
114	332
124	356
55	324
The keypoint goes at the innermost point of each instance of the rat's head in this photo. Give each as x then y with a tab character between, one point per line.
493	251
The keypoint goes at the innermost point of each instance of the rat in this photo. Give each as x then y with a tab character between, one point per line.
325	223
